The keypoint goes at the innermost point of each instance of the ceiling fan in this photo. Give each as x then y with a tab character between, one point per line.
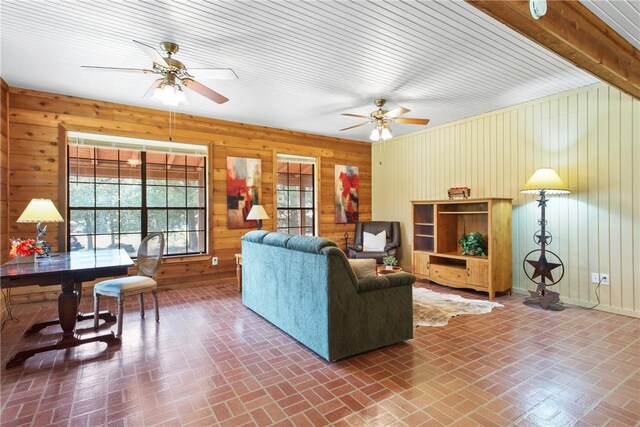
382	118
167	88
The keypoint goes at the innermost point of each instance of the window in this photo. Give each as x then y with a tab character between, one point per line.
296	195
120	193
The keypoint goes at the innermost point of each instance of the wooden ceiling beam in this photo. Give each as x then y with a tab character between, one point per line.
572	31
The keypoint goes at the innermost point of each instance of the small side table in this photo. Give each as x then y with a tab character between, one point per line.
239	271
381	270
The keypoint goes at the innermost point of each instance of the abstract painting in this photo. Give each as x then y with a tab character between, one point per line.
347	185
244	177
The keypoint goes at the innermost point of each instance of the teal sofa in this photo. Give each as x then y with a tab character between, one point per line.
306	287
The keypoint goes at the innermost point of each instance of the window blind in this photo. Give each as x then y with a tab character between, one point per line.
126	143
290	158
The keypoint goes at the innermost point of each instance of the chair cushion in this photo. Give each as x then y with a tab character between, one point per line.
375	227
374	242
365	267
125	286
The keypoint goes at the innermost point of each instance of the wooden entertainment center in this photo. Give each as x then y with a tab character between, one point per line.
437	226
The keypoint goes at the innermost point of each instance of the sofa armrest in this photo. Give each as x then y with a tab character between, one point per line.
392	280
357	248
401	278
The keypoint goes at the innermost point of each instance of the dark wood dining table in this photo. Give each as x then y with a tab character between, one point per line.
69	270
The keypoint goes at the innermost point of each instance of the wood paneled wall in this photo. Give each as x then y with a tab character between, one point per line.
590	136
38	120
4	181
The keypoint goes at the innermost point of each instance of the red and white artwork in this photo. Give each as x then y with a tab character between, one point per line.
346	198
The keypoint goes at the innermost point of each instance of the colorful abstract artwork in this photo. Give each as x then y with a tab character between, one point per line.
347	185
244	177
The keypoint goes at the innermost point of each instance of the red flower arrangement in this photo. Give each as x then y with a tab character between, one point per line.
26	247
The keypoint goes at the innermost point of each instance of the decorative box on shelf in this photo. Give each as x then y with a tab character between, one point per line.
458	192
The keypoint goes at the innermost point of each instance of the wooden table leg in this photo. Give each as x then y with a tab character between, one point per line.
64	342
68	308
105	315
68	315
239	276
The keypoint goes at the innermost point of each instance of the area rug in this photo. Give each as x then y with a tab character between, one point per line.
435	309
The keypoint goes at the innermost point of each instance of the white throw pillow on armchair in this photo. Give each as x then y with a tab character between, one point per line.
374	242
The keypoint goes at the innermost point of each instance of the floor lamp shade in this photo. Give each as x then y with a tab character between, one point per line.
547	180
257	213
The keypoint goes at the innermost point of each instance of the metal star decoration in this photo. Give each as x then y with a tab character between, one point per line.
542	239
543	268
542	202
549	301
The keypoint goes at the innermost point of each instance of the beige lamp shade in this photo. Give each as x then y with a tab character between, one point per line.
547	180
257	212
40	210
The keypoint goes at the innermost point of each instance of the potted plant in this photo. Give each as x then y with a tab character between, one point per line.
389	262
472	244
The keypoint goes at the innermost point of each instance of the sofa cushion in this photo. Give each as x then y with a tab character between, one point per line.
309	244
255	236
365	267
374	242
277	239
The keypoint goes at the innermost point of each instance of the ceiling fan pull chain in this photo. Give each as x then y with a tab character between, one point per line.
170	126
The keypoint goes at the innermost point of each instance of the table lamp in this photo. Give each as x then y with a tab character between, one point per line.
544	181
257	213
39	211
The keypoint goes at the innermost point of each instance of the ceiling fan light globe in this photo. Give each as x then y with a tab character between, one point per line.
157	92
385	134
375	134
169	95
168	91
179	93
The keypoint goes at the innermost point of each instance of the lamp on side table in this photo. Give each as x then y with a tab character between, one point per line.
257	213
39	211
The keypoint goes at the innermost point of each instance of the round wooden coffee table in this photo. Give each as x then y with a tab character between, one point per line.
382	270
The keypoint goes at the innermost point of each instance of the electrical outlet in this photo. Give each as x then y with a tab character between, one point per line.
214	260
605	279
595	278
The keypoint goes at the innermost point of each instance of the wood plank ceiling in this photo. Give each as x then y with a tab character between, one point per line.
622	16
301	63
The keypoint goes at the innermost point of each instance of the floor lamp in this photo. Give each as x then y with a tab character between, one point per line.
542	266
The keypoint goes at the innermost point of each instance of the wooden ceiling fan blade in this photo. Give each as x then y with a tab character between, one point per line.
397	112
355	126
354	115
213	73
152	53
122	70
204	91
409	121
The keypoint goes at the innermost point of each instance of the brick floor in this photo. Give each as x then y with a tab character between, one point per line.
211	361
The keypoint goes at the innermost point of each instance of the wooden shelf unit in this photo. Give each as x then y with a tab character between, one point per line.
437	225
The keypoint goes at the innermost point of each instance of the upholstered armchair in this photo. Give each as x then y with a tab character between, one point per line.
392	230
